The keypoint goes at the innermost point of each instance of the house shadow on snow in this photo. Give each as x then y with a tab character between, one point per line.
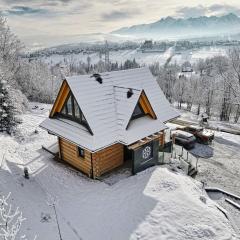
31	200
111	212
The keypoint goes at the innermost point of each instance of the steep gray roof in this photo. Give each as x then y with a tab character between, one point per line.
108	110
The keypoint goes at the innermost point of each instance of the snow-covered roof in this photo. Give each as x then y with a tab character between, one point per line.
108	110
181	133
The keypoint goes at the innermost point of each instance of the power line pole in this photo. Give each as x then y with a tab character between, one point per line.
107	61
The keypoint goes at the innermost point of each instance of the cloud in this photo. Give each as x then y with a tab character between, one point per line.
37	1
200	10
187	12
220	9
52	8
22	10
118	15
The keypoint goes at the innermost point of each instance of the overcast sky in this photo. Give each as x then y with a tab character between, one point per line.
52	22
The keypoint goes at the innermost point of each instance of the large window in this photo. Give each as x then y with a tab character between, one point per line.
72	111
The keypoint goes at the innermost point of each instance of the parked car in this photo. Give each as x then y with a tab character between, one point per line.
202	135
185	139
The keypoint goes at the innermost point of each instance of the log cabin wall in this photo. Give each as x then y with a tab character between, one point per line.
98	163
69	153
107	159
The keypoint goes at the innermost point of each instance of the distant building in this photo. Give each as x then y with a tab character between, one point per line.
187	67
148	44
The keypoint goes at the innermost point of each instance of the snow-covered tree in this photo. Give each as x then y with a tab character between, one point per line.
10	220
7	109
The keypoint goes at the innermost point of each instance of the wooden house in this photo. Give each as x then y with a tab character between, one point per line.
102	120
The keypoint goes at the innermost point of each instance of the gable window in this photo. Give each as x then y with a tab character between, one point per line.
81	152
69	106
72	111
77	110
138	112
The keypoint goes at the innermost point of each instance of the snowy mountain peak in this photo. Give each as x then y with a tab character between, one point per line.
170	27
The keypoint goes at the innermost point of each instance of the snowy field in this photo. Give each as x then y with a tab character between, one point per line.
155	204
142	58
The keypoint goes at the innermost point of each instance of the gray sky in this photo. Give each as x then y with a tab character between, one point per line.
51	22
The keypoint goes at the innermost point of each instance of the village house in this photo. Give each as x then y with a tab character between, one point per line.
103	120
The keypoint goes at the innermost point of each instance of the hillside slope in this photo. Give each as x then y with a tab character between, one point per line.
155	204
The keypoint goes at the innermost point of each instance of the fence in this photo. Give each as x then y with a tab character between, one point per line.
183	155
165	153
173	151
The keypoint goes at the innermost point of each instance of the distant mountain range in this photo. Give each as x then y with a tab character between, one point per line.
185	28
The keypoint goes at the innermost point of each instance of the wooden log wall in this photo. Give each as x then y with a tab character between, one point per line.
93	164
107	159
69	153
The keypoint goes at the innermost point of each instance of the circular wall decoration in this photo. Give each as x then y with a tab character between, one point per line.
146	153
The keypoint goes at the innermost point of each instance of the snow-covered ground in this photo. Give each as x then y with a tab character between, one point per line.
222	168
214	121
155	204
143	58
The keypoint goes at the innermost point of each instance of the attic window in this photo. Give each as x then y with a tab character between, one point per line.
97	77
129	93
72	111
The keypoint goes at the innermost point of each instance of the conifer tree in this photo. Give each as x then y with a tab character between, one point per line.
7	109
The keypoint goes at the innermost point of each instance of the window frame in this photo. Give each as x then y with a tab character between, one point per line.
80	149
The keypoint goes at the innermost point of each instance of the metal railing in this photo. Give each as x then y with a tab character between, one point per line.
172	151
180	152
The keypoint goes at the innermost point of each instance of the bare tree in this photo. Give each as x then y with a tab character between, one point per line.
10	220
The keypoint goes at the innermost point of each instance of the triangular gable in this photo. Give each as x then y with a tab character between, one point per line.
143	107
61	98
66	106
146	105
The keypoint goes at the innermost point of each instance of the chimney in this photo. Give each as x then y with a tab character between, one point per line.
97	77
129	93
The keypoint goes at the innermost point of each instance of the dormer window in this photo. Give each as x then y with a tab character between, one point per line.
138	112
142	108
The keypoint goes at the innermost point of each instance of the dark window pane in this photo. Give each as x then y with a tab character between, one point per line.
69	106
64	110
77	110
138	111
